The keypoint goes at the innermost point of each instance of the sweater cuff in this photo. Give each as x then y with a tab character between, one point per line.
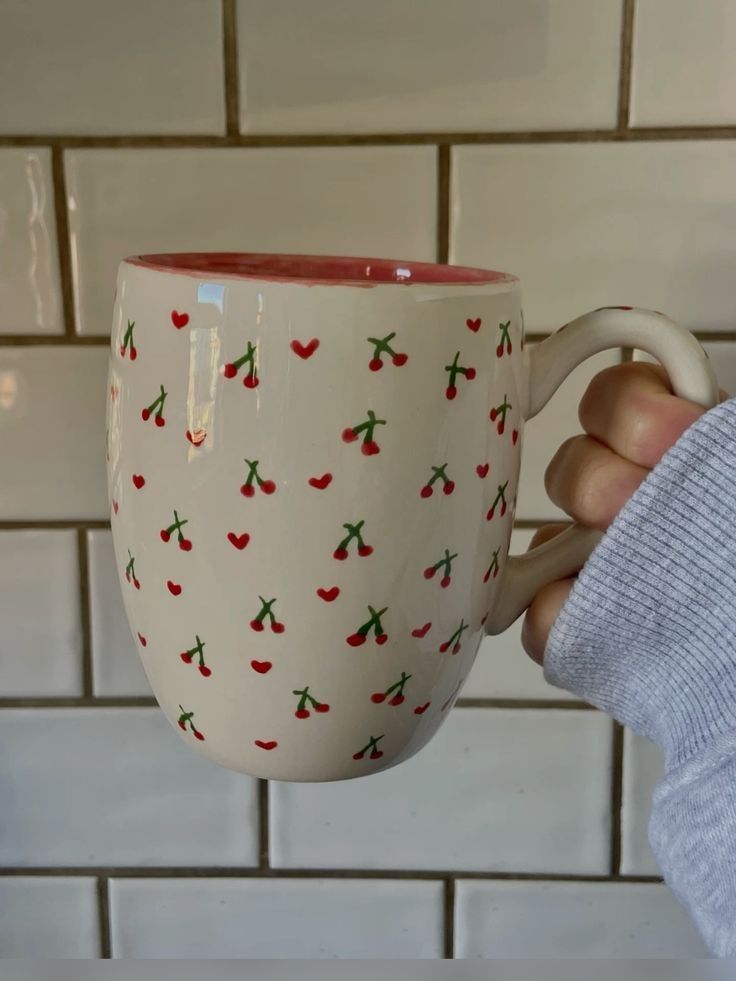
648	632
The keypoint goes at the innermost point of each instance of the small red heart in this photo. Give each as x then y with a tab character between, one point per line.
474	325
482	470
138	480
514	436
143	640
422	631
328	595
179	320
262	667
263	744
115	506
421	709
305	351
173	587
321	482
197	437
239	541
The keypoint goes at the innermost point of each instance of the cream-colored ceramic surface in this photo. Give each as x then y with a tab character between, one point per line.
52	433
427	65
313	487
683	66
723	357
141	66
583	225
30	296
643	769
340	200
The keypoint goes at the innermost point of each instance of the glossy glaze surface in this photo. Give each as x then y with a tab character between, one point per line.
251	431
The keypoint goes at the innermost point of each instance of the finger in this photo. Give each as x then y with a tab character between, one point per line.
590	482
630	407
545	533
540	616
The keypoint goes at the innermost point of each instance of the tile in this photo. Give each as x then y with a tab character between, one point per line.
91	787
502	668
683	72
443	68
723	356
116	666
344	200
135	70
643	769
30	290
282	918
572	919
470	800
48	917
586	225
41	650
52	431
545	433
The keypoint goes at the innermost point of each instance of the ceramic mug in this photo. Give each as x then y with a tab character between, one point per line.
313	467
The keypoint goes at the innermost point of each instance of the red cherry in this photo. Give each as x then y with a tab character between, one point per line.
358	756
122	351
198	735
444	647
492	415
348	435
133	354
186	657
449	487
268	486
509	347
445	582
230	370
429	572
165	536
136	583
456	648
376	754
421	709
381	639
356	640
378	697
365	550
182	725
251	381
426	491
322	707
495	573
185	545
501	426
399	359
160	421
370	448
302	713
340	553
142	639
375	364
489	516
397	700
487	576
503	509
277	628
470	374
127	576
451	392
256	625
247	490
145	414
205	671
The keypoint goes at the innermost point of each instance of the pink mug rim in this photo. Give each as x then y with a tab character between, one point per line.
322	270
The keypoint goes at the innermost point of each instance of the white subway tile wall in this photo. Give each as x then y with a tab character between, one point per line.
492	133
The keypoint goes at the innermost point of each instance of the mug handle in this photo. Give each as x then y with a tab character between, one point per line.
546	365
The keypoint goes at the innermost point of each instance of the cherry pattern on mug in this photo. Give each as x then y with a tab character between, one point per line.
351	540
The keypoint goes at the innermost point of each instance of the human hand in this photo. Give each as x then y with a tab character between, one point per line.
630	418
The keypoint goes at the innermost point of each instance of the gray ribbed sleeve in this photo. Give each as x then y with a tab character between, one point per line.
648	634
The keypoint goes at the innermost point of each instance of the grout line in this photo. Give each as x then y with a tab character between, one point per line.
524	703
264	829
615	135
53	340
230	67
53	525
449	901
617	768
624	78
96	701
444	164
63	244
103	910
248	872
84	614
627	355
